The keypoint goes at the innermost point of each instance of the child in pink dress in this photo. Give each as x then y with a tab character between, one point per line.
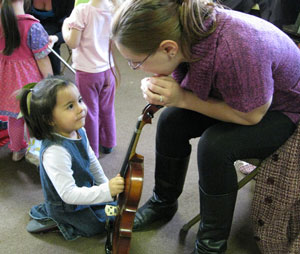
23	60
86	31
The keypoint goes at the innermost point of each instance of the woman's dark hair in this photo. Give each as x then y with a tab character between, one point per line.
37	107
10	28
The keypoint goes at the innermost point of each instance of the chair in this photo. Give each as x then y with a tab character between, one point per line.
275	210
241	184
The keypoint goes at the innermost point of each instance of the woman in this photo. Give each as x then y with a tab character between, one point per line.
235	84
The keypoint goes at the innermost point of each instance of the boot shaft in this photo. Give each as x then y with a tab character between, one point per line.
170	176
216	218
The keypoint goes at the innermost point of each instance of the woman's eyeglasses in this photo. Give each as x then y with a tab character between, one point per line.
136	65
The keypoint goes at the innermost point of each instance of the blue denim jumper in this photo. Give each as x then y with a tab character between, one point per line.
73	220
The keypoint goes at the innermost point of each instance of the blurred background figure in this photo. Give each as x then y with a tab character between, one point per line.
51	14
278	12
23	59
86	31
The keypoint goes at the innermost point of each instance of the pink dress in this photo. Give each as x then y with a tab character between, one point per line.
20	68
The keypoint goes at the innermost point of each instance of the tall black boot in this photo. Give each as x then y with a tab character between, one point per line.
216	217
169	180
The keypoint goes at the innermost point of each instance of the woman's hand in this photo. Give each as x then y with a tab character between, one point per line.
116	185
163	90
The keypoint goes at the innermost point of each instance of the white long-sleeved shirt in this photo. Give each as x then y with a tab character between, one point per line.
58	165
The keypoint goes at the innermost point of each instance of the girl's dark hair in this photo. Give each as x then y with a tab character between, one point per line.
41	104
10	28
141	25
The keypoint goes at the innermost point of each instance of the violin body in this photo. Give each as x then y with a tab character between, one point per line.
133	172
127	205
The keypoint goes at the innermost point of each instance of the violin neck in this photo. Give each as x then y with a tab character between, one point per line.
132	147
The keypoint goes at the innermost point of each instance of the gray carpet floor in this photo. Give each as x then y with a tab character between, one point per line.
21	189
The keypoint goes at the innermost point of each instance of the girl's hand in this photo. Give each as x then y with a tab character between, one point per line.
52	40
116	185
163	91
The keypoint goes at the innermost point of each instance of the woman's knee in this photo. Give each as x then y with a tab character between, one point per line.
172	138
212	144
166	122
178	122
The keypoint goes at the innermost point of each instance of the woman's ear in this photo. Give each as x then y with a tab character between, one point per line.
169	47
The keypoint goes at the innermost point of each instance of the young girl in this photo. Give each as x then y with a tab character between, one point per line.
235	84
73	182
23	59
86	31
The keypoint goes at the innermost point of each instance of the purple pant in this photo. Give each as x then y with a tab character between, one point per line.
98	92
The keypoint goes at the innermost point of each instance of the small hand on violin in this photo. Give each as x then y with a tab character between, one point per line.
116	185
162	90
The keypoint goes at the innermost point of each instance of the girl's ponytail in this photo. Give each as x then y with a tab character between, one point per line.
10	28
23	98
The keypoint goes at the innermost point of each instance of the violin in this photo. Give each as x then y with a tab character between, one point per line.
133	172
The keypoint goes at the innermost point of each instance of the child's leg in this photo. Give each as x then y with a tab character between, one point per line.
16	135
86	83
107	121
98	92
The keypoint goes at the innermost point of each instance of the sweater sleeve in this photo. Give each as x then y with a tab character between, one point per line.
243	70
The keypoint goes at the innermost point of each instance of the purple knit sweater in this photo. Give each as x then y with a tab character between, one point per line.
245	62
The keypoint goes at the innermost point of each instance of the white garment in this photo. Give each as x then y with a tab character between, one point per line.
58	165
92	54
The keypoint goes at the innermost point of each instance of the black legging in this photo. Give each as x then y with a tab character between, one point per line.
220	144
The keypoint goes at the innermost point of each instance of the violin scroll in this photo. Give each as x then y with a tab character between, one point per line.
149	111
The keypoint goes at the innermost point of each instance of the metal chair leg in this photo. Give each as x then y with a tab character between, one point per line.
241	184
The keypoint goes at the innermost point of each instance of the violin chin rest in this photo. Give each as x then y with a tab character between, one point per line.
111	210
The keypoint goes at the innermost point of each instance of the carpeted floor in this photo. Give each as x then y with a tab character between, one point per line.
21	189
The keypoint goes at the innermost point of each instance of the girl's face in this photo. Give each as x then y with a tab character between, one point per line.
159	63
69	112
